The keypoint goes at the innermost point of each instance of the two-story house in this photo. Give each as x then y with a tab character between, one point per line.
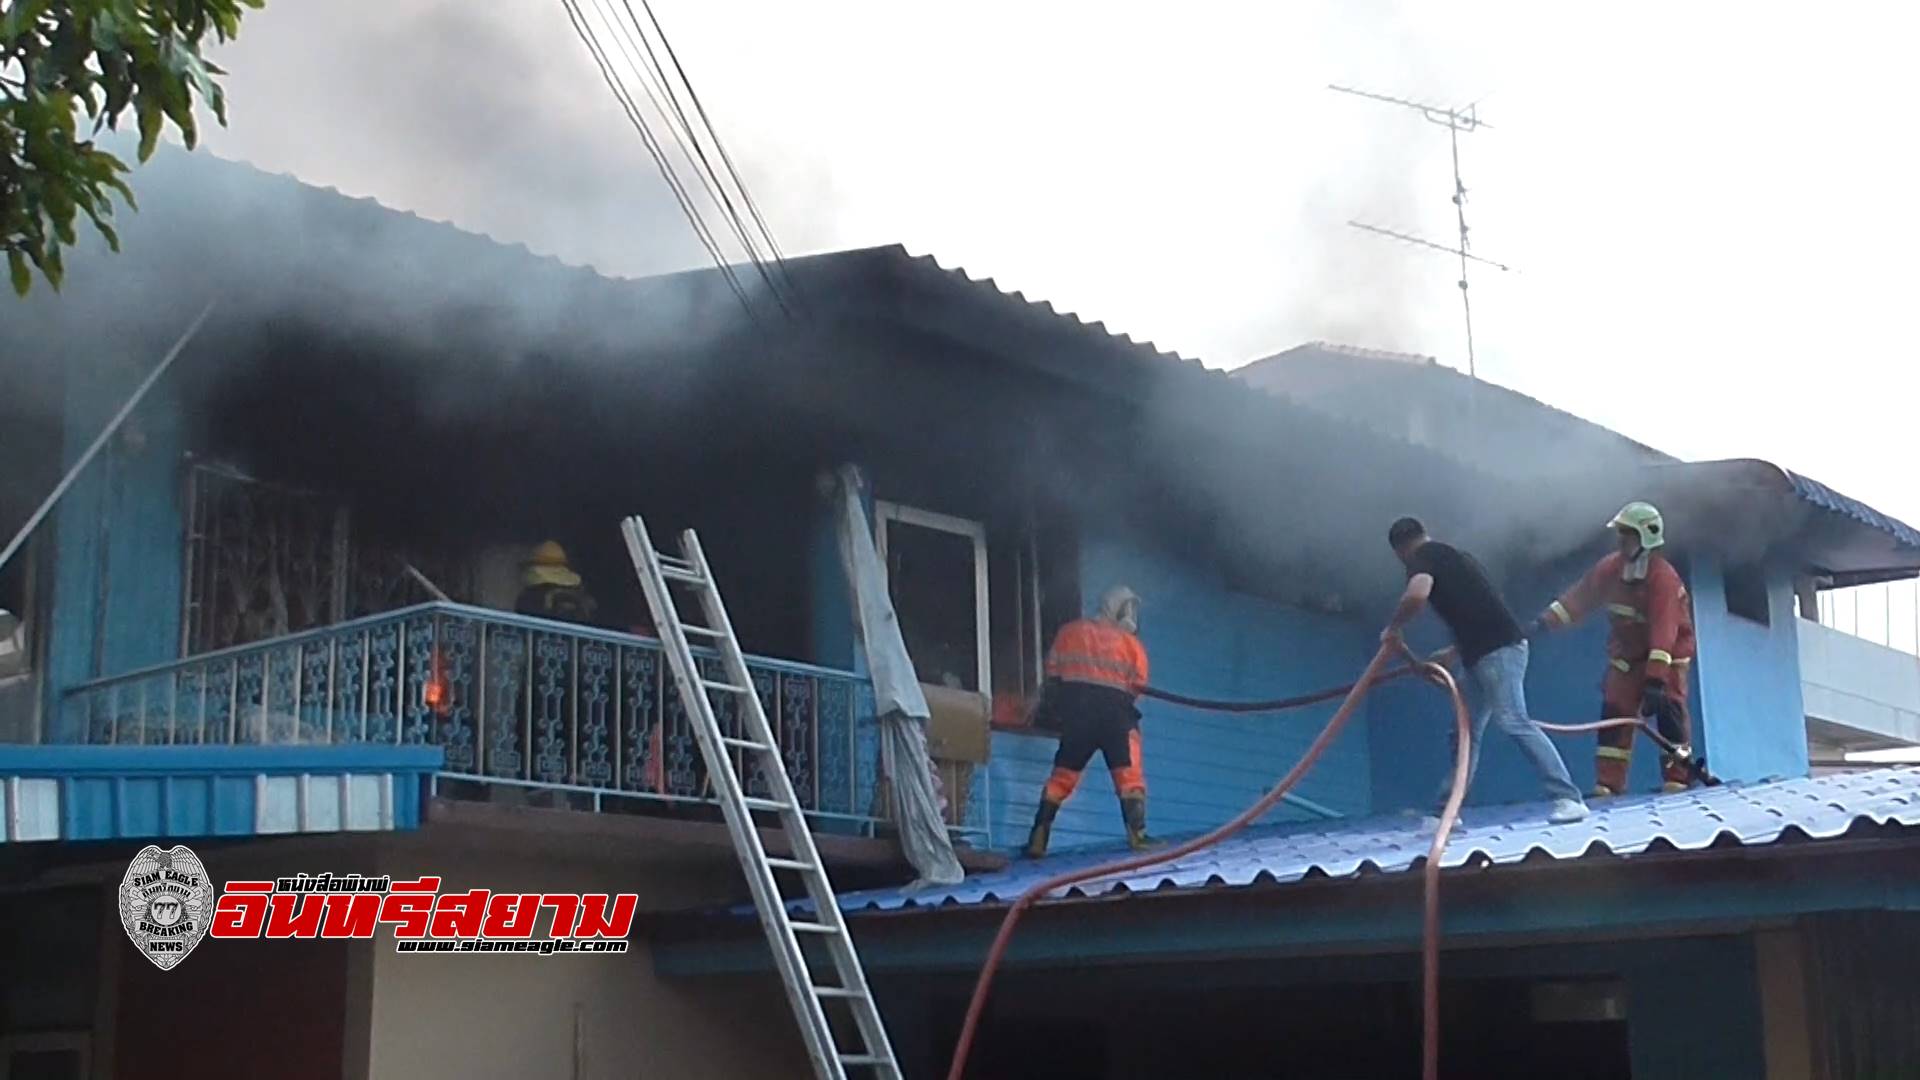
232	634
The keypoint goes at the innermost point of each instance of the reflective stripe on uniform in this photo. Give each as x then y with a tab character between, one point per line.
1659	656
1613	753
1626	611
1620	665
1086	651
1067	662
1560	611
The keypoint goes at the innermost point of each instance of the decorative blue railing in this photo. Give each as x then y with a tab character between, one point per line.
511	700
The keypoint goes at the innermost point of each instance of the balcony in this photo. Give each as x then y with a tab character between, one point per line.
1859	695
590	717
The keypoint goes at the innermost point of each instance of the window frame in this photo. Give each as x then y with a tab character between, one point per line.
885	513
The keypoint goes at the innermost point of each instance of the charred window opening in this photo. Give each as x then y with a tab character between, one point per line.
265	560
1747	596
978	605
1034	590
937	577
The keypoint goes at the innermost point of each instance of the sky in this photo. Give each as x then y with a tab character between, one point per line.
1708	207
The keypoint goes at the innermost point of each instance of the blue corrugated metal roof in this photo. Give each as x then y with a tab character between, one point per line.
1747	814
1824	497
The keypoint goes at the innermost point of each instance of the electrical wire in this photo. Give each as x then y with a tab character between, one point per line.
638	52
627	104
726	158
696	153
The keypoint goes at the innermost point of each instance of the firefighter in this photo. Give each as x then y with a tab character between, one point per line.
1649	648
551	589
1094	672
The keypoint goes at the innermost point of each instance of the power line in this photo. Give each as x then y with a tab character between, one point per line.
639	52
620	93
726	158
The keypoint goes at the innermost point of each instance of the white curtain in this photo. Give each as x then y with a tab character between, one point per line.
898	701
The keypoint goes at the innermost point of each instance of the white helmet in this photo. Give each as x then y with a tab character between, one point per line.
1121	605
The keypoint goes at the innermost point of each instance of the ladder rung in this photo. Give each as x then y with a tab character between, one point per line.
836	992
703	631
672	574
789	864
863	1059
746	744
675	561
724	687
813	928
764	804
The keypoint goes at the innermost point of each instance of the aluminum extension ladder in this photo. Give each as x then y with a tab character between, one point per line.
810	999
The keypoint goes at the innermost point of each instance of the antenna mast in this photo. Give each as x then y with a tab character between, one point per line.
1455	121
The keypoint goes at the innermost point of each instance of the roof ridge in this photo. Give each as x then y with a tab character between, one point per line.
964	275
187	157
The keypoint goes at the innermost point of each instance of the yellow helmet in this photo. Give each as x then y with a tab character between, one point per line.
548	554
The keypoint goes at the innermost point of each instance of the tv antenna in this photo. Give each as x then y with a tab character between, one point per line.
1455	120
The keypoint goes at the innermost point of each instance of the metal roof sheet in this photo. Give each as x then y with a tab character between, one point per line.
1820	495
1744	814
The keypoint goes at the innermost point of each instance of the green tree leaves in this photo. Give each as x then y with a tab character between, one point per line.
60	59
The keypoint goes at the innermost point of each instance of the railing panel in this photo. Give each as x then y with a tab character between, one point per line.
509	699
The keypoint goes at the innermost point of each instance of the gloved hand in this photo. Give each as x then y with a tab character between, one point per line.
1655	705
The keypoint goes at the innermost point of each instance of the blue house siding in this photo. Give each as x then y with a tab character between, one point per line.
132	793
1202	768
1751	720
120	611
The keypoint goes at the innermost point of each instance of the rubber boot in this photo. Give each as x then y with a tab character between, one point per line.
1042	829
1133	808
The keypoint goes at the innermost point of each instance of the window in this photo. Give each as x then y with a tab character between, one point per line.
977	608
937	575
1034	588
1746	588
265	560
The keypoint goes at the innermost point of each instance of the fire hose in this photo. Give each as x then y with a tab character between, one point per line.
1351	696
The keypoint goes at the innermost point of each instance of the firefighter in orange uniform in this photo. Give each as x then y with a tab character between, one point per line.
1649	648
1094	673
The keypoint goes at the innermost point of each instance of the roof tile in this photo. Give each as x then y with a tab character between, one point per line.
1740	814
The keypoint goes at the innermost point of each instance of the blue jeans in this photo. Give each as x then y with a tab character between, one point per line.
1496	690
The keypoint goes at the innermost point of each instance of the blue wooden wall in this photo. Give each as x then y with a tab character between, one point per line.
1748	682
1202	768
1745	699
120	611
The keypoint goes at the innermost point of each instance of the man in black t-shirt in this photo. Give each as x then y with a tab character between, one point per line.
1489	644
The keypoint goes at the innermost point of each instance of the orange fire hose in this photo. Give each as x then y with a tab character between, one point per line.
1353	695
